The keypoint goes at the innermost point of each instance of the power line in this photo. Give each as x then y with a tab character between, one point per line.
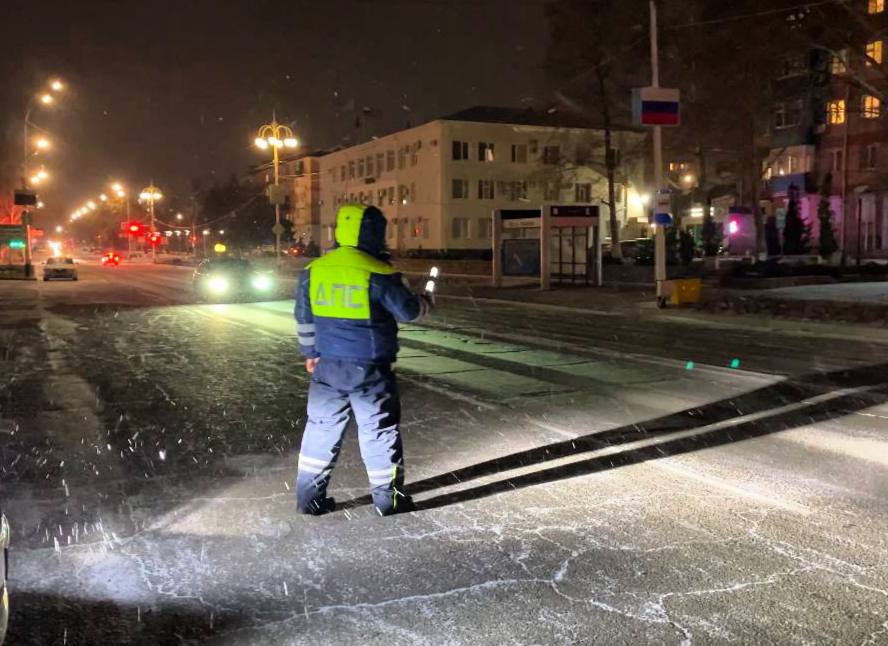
759	14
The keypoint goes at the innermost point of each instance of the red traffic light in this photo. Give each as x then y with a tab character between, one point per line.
133	228
154	238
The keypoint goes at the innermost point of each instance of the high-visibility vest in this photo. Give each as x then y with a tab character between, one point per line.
339	283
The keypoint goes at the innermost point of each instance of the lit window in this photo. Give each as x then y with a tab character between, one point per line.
871	107
485	152
875	6
874	52
835	111
837	64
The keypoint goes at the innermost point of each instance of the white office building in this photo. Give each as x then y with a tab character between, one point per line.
438	183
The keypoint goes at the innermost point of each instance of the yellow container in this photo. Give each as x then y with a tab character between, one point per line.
686	290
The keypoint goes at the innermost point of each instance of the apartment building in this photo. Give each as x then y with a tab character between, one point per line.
829	121
438	183
300	175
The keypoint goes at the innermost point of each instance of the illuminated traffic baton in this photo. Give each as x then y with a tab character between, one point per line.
430	283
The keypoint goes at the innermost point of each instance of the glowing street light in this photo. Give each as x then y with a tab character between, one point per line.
276	135
40	204
151	194
179	216
91	205
59	229
103	197
45	99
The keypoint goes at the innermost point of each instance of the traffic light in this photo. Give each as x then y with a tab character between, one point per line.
134	228
154	238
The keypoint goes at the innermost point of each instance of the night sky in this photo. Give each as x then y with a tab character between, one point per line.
174	90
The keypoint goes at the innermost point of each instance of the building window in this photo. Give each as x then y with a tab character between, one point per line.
485	151
875	6
871	107
403	194
370	166
402	158
874	52
792	65
787	114
361	167
380	163
534	146
460	189
414	153
459	228
391	194
517	190
485	227
551	191
835	112
342	172
677	167
390	160
870	156
838	63
551	154
460	150
583	192
485	189
836	160
519	153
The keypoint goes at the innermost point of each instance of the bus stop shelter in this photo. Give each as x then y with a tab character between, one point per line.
552	242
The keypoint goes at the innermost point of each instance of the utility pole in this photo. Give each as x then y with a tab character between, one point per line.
659	230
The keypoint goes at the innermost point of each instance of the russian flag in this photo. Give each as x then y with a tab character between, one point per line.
659	113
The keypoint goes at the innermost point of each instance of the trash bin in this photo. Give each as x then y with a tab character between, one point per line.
686	291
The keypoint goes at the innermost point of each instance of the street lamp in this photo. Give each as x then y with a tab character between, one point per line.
59	228
151	194
46	99
42	143
276	135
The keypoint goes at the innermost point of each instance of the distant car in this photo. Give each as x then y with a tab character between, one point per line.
4	561
229	278
296	250
59	267
111	259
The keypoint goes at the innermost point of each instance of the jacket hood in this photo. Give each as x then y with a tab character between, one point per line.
361	226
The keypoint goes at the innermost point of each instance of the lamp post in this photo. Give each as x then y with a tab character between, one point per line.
276	135
151	194
46	99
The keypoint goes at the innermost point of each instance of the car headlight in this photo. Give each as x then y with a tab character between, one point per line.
218	284
261	283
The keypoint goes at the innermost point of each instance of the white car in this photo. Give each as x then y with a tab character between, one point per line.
58	267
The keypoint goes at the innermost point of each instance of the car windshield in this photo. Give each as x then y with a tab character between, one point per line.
228	264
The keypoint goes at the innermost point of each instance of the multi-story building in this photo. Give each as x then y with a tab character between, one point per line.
828	124
438	183
300	175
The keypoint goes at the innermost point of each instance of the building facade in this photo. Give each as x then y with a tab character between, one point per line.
439	183
829	134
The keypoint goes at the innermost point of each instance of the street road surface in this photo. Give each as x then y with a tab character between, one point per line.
616	477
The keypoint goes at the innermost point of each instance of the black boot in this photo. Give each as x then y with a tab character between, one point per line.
319	507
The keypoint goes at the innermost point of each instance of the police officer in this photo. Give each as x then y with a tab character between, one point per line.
347	307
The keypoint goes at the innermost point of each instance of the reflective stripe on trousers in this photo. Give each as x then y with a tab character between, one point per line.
338	389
